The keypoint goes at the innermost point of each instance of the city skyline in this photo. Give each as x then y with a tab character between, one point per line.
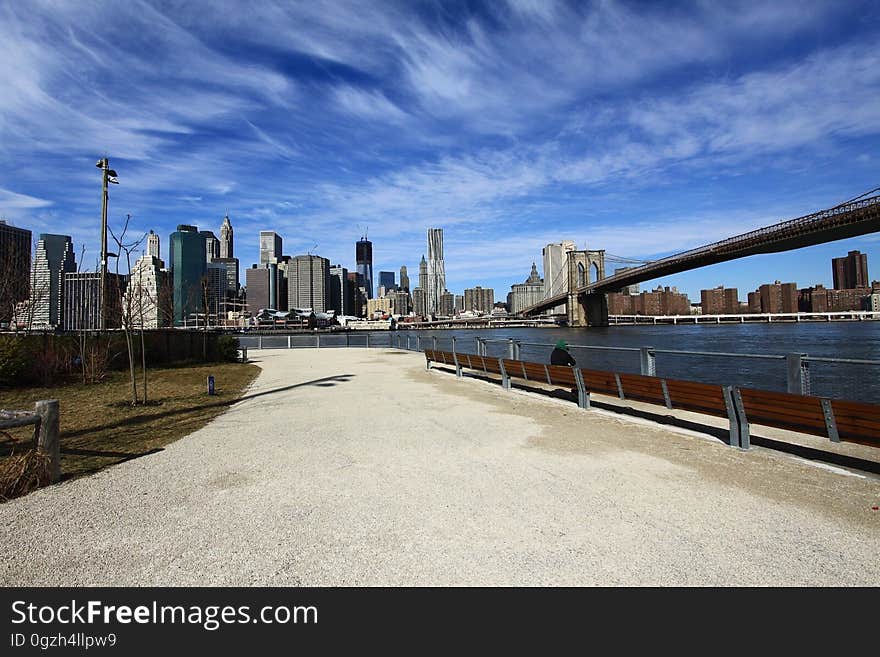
725	118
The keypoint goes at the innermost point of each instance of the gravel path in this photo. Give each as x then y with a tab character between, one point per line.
359	467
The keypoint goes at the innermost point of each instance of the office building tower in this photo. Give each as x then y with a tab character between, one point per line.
526	294
364	260
270	247
850	271
53	258
556	270
146	300
400	302
212	245
423	273
447	304
308	283
262	288
215	293
188	266
15	268
386	280
420	302
778	298
340	291
231	267
479	299
379	307
226	242
720	301
153	245
436	269
404	279
81	299
358	295
459	303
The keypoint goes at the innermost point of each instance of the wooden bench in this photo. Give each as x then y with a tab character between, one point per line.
837	420
834	419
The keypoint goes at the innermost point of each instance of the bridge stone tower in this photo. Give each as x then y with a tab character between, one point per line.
586	309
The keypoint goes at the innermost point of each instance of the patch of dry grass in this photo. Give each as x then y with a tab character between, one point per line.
99	427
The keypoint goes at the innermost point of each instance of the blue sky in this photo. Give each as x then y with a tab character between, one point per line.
641	128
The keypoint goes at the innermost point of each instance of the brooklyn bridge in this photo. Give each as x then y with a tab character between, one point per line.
587	285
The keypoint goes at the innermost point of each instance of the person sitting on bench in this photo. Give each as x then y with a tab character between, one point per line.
560	355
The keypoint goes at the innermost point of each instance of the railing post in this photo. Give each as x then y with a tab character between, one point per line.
647	362
407	343
419	343
453	345
347	341
289	343
317	340
368	339
48	438
434	341
798	374
259	342
511	349
516	346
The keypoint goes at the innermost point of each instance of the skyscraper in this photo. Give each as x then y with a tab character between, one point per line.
436	269
423	274
308	283
479	299
528	293
81	301
262	287
404	279
850	271
226	243
153	245
270	247
188	266
212	245
54	256
15	268
340	291
145	299
364	259
555	270
386	280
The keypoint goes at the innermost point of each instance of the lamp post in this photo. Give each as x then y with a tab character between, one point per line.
108	175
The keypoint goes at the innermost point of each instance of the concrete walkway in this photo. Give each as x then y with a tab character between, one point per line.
359	467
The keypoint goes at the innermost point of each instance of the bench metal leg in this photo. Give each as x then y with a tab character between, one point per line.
457	366
505	380
830	422
583	393
739	428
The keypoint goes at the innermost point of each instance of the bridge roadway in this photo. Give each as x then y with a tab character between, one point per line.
842	221
361	467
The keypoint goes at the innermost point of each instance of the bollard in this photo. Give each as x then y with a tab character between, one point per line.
647	361
210	385
48	438
798	374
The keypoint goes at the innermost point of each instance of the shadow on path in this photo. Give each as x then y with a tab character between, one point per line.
324	382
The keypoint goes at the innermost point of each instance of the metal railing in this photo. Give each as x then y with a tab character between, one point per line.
797	373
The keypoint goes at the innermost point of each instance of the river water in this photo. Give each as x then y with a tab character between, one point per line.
851	340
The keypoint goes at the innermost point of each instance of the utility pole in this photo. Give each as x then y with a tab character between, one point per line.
108	175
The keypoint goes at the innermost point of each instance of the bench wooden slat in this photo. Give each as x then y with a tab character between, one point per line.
561	375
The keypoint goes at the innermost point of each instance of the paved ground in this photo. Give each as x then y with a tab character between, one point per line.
357	467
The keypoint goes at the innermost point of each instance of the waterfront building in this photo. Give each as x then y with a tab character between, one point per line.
262	286
556	270
227	249
146	301
526	294
364	261
212	245
447	304
851	271
777	297
379	307
874	302
230	265
81	299
479	299
53	258
153	245
404	279
660	301
188	268
386	280
308	283
459	303
720	301
270	247
15	268
436	269
358	294
420	302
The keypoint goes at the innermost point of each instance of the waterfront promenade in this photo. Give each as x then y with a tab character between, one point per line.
359	467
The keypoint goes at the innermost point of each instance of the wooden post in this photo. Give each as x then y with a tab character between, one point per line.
49	440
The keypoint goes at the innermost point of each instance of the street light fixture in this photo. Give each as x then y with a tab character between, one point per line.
108	176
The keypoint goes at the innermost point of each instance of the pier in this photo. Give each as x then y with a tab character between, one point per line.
354	466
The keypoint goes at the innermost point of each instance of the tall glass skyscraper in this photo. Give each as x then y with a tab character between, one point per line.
188	266
364	259
53	258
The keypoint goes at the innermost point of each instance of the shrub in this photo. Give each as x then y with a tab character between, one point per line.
13	360
227	348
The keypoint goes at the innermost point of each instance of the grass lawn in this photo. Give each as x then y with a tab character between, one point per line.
100	428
